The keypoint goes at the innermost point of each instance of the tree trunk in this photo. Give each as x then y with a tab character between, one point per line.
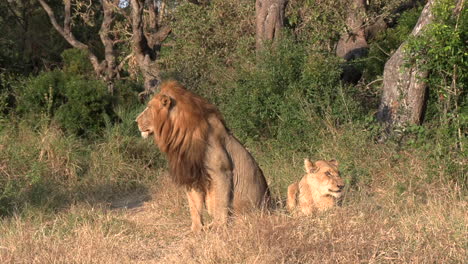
269	20
111	71
146	46
352	44
404	92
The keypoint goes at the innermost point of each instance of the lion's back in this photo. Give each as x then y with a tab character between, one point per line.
250	186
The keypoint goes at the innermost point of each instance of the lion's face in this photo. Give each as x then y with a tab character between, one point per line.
158	108
325	177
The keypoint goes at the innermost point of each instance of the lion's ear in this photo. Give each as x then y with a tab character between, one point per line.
309	166
333	162
165	101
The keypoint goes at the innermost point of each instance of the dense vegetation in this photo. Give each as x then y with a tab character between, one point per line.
65	141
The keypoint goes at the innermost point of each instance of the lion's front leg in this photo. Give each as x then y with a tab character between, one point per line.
195	199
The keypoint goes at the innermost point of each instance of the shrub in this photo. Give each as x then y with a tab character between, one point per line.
80	106
387	42
208	40
441	50
87	107
284	95
261	98
76	62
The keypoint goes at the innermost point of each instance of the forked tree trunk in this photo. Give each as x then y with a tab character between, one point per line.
404	91
269	20
146	46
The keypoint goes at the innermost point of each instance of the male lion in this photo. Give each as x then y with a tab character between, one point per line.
203	155
318	189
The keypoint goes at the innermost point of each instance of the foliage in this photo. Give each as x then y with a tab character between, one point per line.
316	24
441	50
284	95
6	98
388	41
28	43
207	40
46	169
80	106
76	62
87	107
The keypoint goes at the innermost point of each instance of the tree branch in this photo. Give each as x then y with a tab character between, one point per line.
104	34
67	34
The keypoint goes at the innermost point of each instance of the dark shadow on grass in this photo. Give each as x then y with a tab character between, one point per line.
115	196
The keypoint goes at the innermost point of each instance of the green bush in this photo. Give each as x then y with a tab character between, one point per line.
387	42
261	99
80	106
76	62
441	50
87	107
42	95
325	94
126	93
208	40
284	95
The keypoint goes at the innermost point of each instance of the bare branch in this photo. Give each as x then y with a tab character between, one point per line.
68	35
161	34
67	19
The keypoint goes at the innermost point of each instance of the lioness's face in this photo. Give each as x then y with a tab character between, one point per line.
157	108
326	177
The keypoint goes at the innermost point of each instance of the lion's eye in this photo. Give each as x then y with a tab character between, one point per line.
328	173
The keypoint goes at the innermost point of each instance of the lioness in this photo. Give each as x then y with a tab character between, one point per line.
204	157
318	189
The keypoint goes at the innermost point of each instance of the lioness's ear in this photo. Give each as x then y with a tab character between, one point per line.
309	166
333	162
165	101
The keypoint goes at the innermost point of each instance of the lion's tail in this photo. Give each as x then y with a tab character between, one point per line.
292	196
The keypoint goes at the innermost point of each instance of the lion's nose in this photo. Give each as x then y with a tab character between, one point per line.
340	186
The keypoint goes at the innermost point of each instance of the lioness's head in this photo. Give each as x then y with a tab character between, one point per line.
325	177
158	108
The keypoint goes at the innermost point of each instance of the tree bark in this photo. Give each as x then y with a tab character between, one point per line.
111	72
352	44
269	20
146	46
404	91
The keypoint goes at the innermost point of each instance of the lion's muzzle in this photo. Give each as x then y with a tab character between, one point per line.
145	134
144	123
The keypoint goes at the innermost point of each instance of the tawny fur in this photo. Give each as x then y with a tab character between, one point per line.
203	155
318	189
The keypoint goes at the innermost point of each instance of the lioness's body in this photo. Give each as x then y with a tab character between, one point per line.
318	189
203	155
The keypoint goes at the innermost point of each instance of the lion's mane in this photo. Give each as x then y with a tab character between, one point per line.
182	133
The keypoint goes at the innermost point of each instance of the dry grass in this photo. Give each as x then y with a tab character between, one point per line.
391	212
380	225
